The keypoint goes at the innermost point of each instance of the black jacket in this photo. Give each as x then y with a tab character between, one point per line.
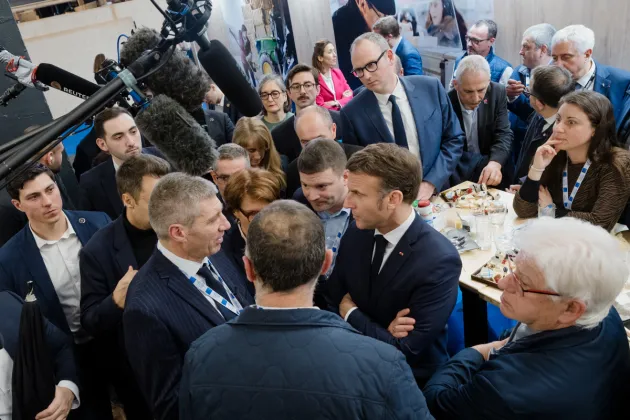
219	126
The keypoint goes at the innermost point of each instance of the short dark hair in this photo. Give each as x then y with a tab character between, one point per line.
490	24
29	173
286	244
387	25
319	155
302	68
550	83
129	175
397	168
106	115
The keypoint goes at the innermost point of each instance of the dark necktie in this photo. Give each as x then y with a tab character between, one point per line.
379	253
400	136
216	285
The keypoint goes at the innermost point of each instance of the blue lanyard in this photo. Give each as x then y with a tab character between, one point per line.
233	306
568	199
336	243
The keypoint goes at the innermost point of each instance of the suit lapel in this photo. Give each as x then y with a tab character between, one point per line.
108	182
602	83
482	110
360	291
124	255
324	86
79	224
415	98
373	111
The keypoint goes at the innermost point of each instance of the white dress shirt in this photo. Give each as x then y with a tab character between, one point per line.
392	237
548	122
330	83
407	116
587	82
219	107
61	258
470	127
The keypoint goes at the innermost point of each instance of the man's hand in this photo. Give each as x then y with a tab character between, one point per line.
485	349
60	407
21	68
426	190
491	174
332	104
514	88
513	189
402	325
345	305
120	292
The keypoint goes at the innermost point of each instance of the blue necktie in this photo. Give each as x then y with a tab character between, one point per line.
216	285
400	137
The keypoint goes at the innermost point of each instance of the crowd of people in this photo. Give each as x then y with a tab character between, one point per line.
295	279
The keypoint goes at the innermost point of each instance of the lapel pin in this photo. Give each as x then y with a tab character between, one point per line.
485	101
401	254
81	220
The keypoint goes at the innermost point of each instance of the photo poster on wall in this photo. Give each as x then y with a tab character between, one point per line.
261	36
440	24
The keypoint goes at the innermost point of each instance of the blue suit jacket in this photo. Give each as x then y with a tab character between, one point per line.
296	364
614	84
422	274
410	58
60	344
570	373
520	106
164	313
440	135
21	261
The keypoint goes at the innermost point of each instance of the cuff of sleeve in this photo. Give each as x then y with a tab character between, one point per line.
529	190
512	100
349	312
75	390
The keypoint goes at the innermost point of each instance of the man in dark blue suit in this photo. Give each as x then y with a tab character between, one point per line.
568	356
187	287
572	49
116	134
43	258
396	277
108	264
284	358
413	112
389	28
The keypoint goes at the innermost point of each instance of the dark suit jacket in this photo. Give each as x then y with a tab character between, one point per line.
520	106
59	344
87	149
21	261
287	141
410	58
422	274
234	247
219	126
98	187
493	133
293	175
164	313
440	136
534	138
296	364
571	373
230	110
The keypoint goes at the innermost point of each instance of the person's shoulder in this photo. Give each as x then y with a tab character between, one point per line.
102	238
94	174
97	218
431	242
142	286
358	102
497	90
14	245
285	125
613	72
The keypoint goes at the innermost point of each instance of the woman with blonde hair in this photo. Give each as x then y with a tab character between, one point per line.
255	137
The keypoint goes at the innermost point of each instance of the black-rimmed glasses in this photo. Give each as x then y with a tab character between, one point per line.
372	66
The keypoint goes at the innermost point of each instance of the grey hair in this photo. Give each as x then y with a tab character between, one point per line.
373	38
472	64
387	25
578	260
490	24
322	112
582	37
175	200
541	34
232	151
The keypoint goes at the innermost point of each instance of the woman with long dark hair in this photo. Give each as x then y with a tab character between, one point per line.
334	89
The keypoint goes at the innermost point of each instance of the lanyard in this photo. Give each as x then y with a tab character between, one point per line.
568	199
233	306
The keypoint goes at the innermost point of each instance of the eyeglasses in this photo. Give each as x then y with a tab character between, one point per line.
521	290
372	66
296	87
223	178
475	41
274	95
249	215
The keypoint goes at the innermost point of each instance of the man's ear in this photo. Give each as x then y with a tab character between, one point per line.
214	176
128	200
47	159
249	269
102	144
17	205
333	129
588	53
455	84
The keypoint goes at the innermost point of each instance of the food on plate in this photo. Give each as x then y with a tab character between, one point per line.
497	268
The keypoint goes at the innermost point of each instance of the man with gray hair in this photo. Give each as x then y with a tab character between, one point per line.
389	28
186	288
232	159
481	106
568	355
286	359
572	48
413	112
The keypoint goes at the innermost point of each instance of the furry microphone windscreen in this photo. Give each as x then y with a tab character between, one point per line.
178	136
179	78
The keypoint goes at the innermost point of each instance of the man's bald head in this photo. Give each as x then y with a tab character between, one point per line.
314	122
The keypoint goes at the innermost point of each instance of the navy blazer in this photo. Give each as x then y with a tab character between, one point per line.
60	344
296	364
164	313
520	106
614	84
219	126
21	262
440	136
571	373
422	274
410	58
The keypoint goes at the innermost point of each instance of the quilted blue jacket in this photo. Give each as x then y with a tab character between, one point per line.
296	364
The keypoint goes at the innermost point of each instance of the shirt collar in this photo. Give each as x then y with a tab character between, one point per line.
189	268
326	215
397	44
399	92
464	109
396	235
270	308
40	242
583	81
551	119
116	166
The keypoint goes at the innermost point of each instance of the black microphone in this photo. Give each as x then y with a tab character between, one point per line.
178	136
222	68
65	81
11	93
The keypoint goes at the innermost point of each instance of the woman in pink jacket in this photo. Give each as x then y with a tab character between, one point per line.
334	91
